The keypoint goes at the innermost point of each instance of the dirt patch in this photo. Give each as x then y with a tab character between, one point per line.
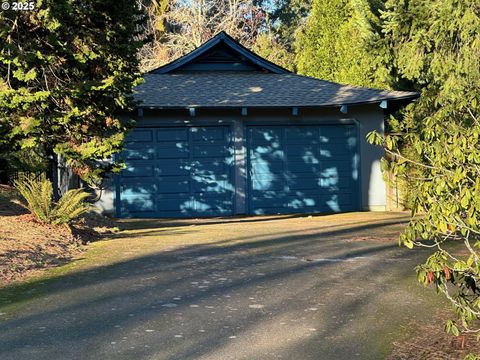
27	246
432	343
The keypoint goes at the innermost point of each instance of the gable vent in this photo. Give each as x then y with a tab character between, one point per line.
218	57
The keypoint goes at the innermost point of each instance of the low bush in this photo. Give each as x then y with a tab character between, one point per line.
38	192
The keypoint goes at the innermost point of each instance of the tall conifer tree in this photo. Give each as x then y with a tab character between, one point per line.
337	43
67	70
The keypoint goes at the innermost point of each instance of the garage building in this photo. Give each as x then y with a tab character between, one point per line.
222	131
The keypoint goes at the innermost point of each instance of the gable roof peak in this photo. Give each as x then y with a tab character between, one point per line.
221	38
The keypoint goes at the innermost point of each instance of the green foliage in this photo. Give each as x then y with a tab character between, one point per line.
337	43
268	47
12	161
38	192
436	45
408	184
408	179
70	206
67	71
472	357
286	17
38	195
288	14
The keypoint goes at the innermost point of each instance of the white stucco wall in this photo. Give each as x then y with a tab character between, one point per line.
368	118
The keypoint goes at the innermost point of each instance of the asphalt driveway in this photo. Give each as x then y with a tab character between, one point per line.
322	287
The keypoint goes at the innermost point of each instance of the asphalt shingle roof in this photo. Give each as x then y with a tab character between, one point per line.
216	89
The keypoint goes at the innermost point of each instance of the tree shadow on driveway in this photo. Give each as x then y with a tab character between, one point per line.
149	223
291	295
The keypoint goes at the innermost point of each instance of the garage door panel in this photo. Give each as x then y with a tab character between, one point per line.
272	183
338	131
338	202
334	156
136	188
173	184
135	169
265	136
336	183
183	172
211	167
139	152
316	172
300	135
303	202
173	150
139	135
216	185
170	135
311	183
176	203
265	202
165	167
340	161
305	167
335	172
210	150
211	205
265	165
341	199
140	203
337	149
304	182
266	152
205	134
306	160
301	132
344	147
301	150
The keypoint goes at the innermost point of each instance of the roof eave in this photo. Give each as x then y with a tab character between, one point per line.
411	97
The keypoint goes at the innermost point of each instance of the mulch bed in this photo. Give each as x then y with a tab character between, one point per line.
27	246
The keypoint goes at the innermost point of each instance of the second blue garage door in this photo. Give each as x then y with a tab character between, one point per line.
295	169
177	172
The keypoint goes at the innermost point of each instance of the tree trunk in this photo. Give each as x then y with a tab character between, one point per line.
52	172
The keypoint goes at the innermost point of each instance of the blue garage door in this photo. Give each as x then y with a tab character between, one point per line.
295	169
177	172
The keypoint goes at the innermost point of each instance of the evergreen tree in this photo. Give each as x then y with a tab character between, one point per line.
286	17
67	70
436	45
267	46
337	43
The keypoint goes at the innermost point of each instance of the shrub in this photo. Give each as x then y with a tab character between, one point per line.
443	129
38	192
